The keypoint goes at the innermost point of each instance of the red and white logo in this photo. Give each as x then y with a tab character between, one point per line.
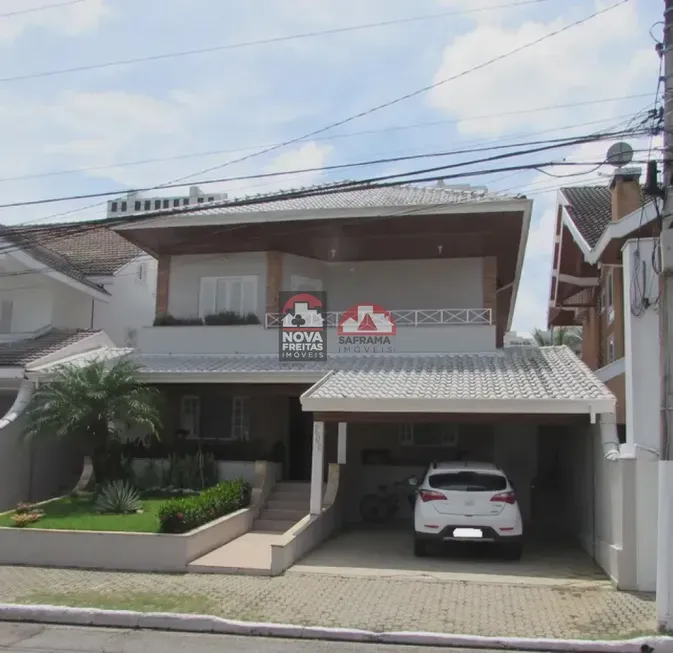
367	320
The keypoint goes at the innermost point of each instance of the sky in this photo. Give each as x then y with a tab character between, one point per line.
148	123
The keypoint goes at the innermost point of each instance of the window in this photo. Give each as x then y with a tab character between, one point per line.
176	202
6	309
148	205
219	294
137	206
240	418
611	349
124	207
167	203
468	482
609	297
185	201
428	435
190	415
113	207
211	199
157	204
301	284
200	200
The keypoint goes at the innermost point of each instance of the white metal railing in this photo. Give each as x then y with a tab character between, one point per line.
410	318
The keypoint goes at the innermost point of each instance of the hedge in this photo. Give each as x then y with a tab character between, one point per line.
184	514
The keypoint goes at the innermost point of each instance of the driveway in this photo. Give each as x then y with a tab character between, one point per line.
389	553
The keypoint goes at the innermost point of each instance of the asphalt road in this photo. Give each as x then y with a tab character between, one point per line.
34	638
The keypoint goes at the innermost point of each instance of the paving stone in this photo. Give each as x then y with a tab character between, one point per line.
365	603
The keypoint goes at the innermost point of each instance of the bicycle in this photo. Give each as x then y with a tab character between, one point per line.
382	505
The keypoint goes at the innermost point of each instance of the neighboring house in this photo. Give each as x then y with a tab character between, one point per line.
605	279
514	339
64	289
73	276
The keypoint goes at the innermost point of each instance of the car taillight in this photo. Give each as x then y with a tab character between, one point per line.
431	495
504	497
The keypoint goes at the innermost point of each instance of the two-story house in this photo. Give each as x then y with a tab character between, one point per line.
443	266
605	278
65	289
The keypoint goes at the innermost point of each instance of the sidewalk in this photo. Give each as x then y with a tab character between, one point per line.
377	604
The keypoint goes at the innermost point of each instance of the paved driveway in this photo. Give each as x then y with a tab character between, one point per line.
389	553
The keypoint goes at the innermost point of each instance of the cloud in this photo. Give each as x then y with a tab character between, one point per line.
67	20
578	63
309	155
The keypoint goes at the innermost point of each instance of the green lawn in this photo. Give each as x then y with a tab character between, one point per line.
79	514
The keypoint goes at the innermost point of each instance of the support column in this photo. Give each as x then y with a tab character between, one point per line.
317	466
341	445
163	284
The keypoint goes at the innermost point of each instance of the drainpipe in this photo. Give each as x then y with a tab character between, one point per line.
609	439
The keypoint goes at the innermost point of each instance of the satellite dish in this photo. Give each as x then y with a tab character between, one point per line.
619	154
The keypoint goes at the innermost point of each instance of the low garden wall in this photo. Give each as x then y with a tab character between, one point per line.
118	551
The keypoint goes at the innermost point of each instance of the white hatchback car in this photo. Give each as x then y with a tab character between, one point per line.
469	502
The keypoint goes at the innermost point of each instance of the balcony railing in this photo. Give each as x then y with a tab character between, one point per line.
412	318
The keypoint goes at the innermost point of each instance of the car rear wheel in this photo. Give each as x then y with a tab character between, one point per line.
420	548
512	550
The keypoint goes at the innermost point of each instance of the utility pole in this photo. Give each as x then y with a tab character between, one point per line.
665	490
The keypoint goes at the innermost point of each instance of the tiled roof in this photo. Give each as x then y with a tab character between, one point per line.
43	253
527	373
21	352
368	198
590	209
88	250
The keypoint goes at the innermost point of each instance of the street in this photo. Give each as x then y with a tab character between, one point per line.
36	638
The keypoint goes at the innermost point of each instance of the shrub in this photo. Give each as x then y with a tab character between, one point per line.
187	513
169	320
22	519
228	318
22	508
118	497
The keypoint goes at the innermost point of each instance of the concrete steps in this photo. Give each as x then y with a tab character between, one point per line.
287	504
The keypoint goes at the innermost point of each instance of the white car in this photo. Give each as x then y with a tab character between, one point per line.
469	502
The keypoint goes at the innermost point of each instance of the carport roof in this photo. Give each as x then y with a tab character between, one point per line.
541	380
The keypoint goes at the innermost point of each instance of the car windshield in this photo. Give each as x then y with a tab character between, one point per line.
468	481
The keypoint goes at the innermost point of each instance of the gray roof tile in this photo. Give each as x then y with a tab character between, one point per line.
372	197
527	373
19	353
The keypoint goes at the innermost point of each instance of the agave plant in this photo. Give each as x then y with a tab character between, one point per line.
118	497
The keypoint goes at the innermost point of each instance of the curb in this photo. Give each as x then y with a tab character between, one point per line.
47	614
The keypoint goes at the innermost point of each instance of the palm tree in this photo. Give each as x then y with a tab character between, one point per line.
570	336
91	403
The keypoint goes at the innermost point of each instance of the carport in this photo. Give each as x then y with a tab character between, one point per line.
531	412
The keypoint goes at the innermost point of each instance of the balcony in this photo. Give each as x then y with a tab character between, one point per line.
418	331
411	318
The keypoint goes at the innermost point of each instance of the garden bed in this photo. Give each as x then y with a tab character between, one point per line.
79	514
70	534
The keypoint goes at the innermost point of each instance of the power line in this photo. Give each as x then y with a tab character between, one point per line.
246	44
547	144
126	164
397	213
371	110
21	12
